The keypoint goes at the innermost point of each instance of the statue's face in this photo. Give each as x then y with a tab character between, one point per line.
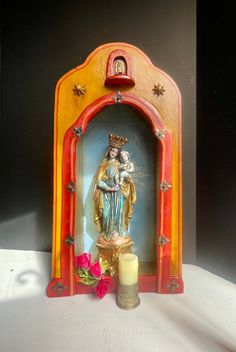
124	157
113	153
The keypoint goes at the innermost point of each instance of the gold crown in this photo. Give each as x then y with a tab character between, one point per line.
117	141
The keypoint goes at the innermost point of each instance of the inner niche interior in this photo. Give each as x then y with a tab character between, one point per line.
125	121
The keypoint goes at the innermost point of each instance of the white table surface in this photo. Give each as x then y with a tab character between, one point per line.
201	319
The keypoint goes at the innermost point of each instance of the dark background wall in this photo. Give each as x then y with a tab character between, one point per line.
216	139
40	43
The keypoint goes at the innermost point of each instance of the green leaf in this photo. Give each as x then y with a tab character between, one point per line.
82	273
89	281
94	284
104	266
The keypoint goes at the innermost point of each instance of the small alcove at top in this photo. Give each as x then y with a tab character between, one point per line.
119	69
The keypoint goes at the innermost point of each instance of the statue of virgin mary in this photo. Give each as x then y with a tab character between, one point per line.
113	201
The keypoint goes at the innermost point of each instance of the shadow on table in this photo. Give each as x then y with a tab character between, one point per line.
200	327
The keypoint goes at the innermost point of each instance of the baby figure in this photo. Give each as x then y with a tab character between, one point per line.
126	167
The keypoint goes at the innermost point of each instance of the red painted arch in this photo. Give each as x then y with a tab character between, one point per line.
155	283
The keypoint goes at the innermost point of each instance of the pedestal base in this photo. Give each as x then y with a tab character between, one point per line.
111	253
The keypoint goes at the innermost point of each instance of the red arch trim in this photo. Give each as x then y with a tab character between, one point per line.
154	283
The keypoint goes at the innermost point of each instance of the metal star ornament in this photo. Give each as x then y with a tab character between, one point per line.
158	89
172	286
118	97
163	241
59	287
79	90
160	134
165	186
71	187
77	131
69	241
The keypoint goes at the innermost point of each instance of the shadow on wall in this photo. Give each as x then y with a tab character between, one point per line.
21	232
24	273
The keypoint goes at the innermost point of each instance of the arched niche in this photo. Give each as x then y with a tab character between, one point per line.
80	96
124	120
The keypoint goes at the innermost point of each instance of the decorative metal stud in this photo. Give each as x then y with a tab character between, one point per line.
118	97
71	187
163	240
172	286
69	241
158	89
59	287
79	90
165	186
160	133
78	131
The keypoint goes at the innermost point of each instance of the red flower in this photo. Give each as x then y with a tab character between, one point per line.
83	261
96	269
103	287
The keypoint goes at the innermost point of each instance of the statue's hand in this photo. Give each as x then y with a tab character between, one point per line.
114	189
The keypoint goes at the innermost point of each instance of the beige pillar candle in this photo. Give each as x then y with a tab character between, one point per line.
128	269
